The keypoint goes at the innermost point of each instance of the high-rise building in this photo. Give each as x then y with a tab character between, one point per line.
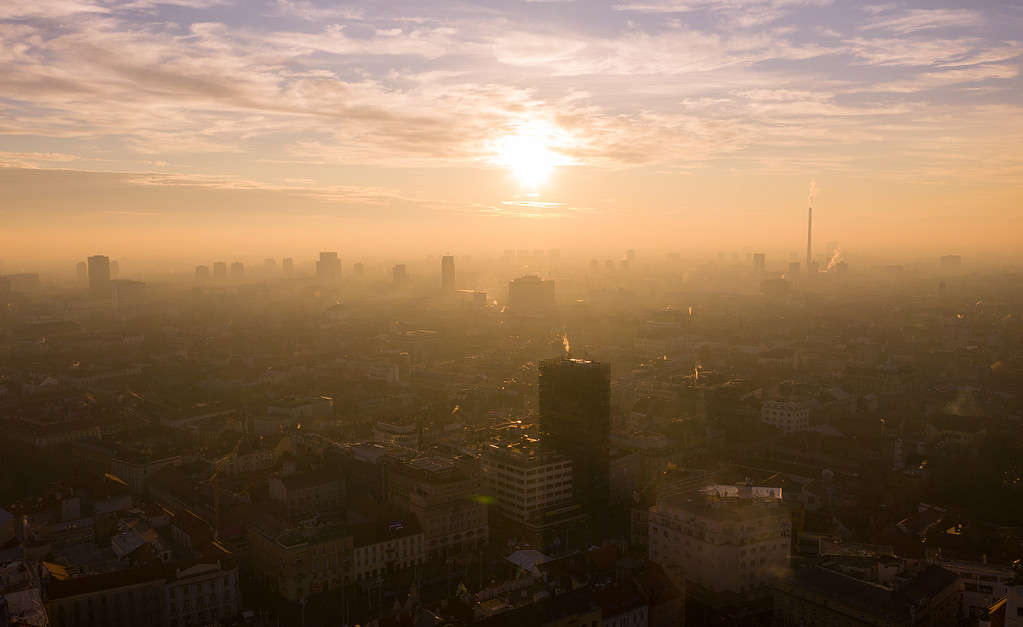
270	265
575	420
950	262
115	268
202	273
359	268
759	261
288	265
219	269
399	274
447	273
793	270
630	256
530	293
328	268
99	275
82	272
237	271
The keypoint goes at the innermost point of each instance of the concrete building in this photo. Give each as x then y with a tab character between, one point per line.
202	273
219	269
237	271
723	538
309	493
383	548
399	274
328	267
99	275
525	481
788	415
444	501
288	266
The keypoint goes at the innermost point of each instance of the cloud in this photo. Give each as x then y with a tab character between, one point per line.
915	20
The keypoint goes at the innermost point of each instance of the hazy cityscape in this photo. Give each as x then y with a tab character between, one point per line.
545	313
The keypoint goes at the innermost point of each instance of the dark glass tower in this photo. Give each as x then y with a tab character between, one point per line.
575	420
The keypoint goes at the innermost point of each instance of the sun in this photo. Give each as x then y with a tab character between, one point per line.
528	155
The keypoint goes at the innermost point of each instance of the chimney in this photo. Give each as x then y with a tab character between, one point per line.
809	237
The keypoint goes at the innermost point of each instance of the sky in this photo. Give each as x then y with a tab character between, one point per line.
259	127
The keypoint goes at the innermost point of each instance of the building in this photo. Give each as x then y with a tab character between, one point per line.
82	272
359	269
328	267
237	271
99	275
219	270
402	433
300	562
530	294
575	420
385	547
525	480
288	266
444	499
309	493
950	262
532	496
759	262
447	273
723	538
399	274
202	273
115	268
128	293
787	415
821	594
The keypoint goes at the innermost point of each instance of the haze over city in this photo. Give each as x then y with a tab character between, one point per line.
511	313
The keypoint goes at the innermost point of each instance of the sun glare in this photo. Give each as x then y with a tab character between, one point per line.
528	155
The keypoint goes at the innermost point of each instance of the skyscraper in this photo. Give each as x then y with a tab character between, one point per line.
237	271
82	271
575	420
99	275
202	273
115	268
219	269
759	261
328	268
399	274
447	273
288	265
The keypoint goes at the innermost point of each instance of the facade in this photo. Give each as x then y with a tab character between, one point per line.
723	538
328	267
404	434
219	269
237	271
202	273
447	273
444	501
525	481
300	562
99	275
288	266
759	261
787	415
575	420
385	547
309	493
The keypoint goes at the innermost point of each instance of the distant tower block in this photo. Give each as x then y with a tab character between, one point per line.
399	274
328	268
447	273
237	271
288	265
202	273
219	269
82	272
99	275
759	261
